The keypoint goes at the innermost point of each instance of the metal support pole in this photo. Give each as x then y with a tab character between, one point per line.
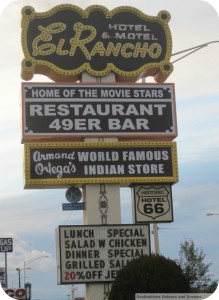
24	273
6	271
156	239
19	277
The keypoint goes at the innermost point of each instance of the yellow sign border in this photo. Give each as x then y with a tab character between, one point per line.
124	181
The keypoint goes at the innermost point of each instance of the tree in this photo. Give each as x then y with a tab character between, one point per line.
148	274
196	271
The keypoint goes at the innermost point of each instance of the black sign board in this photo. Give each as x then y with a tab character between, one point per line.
64	164
6	245
72	111
66	40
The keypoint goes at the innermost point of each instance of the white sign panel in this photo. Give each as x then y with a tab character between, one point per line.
94	253
153	203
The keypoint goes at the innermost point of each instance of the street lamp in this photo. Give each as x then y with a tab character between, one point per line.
19	277
27	262
210	214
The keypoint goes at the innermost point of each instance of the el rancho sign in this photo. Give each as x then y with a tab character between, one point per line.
66	41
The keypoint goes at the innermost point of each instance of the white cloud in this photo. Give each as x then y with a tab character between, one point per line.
22	253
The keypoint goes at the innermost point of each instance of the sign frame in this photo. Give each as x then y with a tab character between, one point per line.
79	173
59	111
98	240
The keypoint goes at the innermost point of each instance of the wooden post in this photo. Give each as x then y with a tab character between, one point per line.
102	202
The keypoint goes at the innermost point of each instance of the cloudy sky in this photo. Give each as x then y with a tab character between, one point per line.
31	216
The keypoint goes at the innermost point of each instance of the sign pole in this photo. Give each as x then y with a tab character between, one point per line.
6	271
102	202
156	240
6	245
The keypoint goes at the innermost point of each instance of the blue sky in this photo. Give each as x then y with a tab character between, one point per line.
31	216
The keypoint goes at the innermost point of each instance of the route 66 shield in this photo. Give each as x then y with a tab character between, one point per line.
153	203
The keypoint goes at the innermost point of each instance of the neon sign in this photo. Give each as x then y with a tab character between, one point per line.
66	41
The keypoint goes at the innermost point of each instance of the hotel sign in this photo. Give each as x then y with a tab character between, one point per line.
153	203
73	111
95	253
64	164
66	41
